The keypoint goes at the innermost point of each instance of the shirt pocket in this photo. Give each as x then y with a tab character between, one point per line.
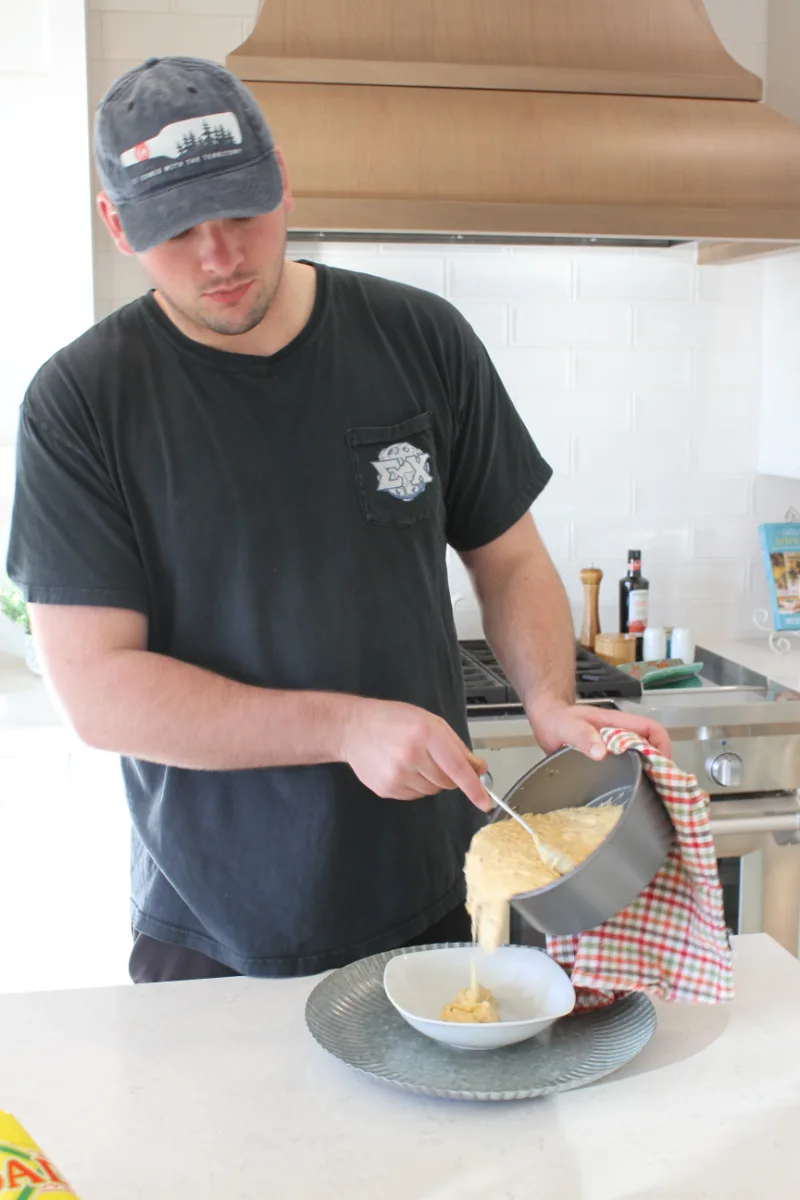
395	470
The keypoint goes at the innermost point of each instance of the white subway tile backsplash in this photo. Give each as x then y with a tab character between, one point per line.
490	321
557	449
605	367
421	271
125	35
523	368
709	326
588	323
709	496
573	408
585	497
687	409
736	537
716	619
608	278
697	580
757	592
636	453
723	451
731	368
502	276
354	254
555	532
773	497
727	284
612	539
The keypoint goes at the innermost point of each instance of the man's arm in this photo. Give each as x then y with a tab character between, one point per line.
526	615
527	620
120	696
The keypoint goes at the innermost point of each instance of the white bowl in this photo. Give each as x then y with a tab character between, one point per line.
532	991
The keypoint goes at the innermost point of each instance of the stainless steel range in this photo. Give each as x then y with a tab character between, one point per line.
735	730
489	693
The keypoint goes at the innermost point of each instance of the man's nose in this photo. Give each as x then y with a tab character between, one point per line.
219	248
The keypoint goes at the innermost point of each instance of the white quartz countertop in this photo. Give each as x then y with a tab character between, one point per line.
755	653
215	1088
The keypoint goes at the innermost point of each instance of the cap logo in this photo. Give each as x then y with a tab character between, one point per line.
197	139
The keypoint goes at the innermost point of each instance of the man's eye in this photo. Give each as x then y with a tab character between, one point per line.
179	236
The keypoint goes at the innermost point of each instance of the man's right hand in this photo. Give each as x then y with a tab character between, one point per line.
402	752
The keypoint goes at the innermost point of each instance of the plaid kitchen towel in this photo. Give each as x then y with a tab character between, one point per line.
671	942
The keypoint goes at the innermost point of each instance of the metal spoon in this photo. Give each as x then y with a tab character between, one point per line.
556	860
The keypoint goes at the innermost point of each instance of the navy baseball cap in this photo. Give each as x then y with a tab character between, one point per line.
179	141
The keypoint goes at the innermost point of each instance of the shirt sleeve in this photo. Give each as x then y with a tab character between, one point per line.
71	538
496	471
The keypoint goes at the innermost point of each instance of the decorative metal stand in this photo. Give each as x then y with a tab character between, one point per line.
779	641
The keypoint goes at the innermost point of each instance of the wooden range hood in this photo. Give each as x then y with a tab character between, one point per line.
521	120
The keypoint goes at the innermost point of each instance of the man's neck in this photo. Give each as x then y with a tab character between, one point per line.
286	316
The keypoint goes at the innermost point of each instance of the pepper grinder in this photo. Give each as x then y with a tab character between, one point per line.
590	578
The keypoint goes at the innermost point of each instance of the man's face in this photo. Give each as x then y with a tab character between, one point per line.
221	275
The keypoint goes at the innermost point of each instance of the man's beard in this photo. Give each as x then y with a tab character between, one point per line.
231	324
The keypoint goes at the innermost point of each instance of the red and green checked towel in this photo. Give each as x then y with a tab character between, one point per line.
671	942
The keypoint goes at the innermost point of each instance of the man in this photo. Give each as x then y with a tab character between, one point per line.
234	497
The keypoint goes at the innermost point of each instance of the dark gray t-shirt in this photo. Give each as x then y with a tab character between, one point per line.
282	521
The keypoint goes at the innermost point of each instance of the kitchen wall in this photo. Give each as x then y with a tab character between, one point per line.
779	444
45	192
637	372
44	210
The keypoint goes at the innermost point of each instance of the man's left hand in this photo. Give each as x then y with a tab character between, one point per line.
558	724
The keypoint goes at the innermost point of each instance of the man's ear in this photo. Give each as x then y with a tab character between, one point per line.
110	219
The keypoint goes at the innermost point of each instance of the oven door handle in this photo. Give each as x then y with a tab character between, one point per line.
778	813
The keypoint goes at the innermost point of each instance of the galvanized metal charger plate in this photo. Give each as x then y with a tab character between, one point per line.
350	1016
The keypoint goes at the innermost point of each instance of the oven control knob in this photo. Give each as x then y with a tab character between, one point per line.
726	770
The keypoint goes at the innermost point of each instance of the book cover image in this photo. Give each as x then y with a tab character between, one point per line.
780	544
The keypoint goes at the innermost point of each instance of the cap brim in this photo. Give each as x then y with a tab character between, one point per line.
247	192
